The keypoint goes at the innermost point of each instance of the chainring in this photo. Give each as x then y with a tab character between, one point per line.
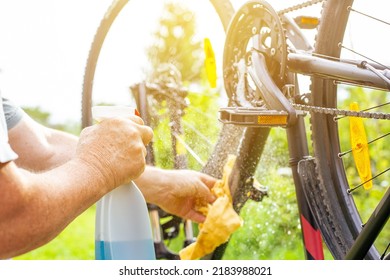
255	27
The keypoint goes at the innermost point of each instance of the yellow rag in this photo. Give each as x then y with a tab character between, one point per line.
221	219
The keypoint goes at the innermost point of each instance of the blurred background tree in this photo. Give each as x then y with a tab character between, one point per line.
175	43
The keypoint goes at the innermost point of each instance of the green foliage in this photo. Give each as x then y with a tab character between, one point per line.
43	117
198	125
38	114
271	227
174	42
201	129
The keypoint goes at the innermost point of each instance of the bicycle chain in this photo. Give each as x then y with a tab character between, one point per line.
299	6
342	112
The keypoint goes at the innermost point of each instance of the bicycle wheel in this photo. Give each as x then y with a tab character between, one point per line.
341	214
116	51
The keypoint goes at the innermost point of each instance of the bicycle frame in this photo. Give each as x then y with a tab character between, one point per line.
347	71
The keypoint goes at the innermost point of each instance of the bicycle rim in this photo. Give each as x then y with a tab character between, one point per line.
340	214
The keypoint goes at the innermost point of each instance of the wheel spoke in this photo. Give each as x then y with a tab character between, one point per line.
362	55
369	16
372	178
368	143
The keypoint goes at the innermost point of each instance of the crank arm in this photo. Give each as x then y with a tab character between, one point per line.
269	91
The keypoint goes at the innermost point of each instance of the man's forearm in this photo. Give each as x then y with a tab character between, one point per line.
36	207
40	148
153	182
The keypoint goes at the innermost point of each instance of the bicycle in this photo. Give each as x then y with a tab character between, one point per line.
265	56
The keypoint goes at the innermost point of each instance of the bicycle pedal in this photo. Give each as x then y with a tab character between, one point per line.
307	22
254	117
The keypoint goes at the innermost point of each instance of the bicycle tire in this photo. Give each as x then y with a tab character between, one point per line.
94	52
332	206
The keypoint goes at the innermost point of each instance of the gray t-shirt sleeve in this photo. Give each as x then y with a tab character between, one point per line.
6	153
13	114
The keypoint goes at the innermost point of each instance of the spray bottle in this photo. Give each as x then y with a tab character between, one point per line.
123	230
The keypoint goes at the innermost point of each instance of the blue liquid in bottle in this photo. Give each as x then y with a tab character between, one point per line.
121	250
123	230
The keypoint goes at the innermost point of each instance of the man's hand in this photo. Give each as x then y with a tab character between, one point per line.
115	148
177	191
